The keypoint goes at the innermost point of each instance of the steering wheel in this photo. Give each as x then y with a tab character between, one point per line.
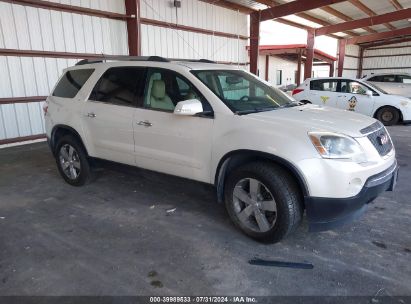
245	98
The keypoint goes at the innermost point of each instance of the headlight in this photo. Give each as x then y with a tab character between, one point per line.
337	146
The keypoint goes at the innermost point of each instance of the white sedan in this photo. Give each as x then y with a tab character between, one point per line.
357	96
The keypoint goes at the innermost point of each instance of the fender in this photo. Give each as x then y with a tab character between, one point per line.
239	157
67	130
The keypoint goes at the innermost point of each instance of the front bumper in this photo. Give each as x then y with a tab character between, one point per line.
327	213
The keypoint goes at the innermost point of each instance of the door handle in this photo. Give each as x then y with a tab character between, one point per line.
145	123
91	115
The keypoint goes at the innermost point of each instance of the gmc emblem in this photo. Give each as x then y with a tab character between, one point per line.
382	139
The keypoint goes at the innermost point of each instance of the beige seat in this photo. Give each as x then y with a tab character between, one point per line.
159	99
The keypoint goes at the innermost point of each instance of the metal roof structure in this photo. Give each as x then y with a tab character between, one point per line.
365	23
371	16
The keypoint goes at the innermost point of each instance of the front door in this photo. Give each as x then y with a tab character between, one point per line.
170	143
109	112
353	97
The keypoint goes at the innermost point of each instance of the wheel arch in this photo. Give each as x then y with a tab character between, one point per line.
237	158
62	130
388	106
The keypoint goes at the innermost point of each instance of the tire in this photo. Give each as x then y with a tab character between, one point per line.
281	188
306	102
389	116
70	155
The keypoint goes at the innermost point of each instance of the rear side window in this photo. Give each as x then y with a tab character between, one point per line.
324	85
123	86
72	82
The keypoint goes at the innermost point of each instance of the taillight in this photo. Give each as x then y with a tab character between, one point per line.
296	91
45	108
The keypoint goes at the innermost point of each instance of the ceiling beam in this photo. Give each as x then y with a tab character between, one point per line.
306	16
68	8
379	36
294	7
358	4
338	14
396	4
350	25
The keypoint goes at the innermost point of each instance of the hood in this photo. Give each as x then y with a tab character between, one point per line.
317	118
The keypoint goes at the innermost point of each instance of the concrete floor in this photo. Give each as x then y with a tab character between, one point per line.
114	237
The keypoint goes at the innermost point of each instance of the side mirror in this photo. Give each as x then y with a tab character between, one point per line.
188	107
369	93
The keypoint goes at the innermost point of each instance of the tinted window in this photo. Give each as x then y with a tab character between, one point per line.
121	86
324	85
72	82
166	88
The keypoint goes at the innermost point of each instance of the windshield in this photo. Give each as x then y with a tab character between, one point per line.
376	87
244	93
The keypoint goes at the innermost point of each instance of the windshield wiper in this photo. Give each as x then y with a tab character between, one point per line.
255	110
292	104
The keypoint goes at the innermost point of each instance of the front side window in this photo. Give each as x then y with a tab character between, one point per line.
389	78
165	88
324	85
72	82
121	86
377	79
242	92
353	87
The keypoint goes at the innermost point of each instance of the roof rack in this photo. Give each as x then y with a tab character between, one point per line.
138	58
122	58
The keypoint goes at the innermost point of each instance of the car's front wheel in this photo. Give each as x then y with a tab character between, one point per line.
264	201
72	161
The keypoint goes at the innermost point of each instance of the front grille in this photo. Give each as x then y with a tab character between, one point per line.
372	128
379	137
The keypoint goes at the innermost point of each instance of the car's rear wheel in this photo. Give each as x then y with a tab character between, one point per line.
389	116
263	200
72	161
306	102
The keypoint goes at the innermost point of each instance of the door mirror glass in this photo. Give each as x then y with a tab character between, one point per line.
368	93
188	107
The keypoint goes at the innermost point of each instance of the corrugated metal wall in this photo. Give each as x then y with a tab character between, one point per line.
351	61
390	59
30	28
172	43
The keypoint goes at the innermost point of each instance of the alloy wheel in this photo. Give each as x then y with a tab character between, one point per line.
69	161
254	205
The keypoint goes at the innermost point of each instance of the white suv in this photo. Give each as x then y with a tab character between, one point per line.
269	157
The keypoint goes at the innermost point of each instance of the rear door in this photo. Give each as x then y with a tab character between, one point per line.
353	97
323	92
108	114
170	143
